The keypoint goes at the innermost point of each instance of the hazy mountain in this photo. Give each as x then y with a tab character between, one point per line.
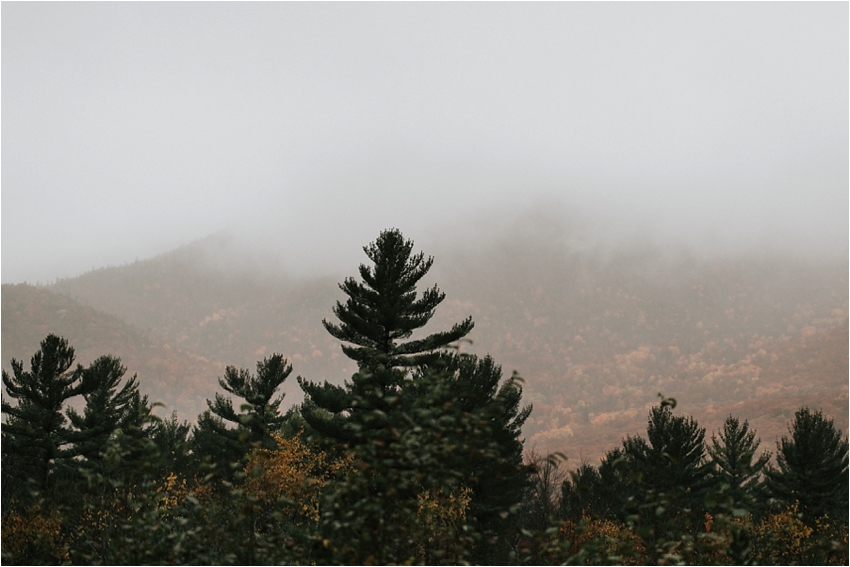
596	336
180	379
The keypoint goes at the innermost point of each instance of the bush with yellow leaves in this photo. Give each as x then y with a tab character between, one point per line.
440	511
293	471
595	540
782	538
171	491
33	537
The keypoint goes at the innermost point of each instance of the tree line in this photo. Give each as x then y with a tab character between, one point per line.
417	458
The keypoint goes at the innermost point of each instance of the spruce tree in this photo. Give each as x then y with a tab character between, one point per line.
811	467
35	434
733	454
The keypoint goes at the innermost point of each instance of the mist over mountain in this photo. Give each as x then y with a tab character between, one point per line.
179	379
595	329
641	207
132	129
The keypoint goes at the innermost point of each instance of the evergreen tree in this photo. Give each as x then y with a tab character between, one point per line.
259	415
172	439
581	494
599	492
214	442
733	454
35	435
674	454
397	411
811	467
615	484
380	312
384	309
672	462
407	500
107	409
495	471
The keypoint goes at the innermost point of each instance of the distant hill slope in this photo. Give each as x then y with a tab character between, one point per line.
597	340
208	299
179	379
595	336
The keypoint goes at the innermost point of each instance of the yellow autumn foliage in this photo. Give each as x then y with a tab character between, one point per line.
441	510
170	492
439	515
33	536
782	536
611	539
293	471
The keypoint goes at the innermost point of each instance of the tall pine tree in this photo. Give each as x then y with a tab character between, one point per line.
398	406
258	418
380	313
384	310
107	408
35	434
733	454
811	467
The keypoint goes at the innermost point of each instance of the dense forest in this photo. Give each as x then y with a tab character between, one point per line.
427	453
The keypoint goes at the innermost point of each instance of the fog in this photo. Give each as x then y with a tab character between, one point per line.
131	129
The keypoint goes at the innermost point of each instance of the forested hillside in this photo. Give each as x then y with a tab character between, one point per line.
206	298
178	378
595	336
422	449
598	340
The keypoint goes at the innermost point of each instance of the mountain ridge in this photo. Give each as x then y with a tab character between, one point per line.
595	339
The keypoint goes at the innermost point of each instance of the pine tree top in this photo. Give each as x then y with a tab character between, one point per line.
383	309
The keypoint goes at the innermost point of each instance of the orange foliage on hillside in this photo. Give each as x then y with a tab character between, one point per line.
179	379
595	338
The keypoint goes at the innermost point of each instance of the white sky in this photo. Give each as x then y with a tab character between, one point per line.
131	128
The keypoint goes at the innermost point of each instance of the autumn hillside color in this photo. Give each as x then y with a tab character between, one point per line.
595	337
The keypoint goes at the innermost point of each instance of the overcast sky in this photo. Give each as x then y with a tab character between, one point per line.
129	129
